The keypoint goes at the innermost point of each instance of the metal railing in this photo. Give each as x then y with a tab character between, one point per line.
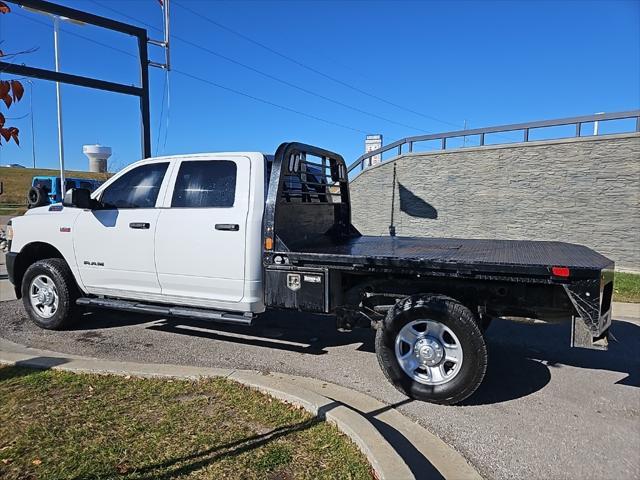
481	132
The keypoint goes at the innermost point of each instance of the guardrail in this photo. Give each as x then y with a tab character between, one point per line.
364	160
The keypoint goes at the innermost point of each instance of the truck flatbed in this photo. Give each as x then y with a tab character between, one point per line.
474	255
316	260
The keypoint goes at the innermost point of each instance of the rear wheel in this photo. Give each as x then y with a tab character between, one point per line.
49	293
431	348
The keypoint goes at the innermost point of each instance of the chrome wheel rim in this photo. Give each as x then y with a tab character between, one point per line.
44	296
429	352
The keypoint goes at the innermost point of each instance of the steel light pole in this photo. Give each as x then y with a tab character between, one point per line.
56	50
33	134
56	34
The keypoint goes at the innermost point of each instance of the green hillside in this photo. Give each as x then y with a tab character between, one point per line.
16	183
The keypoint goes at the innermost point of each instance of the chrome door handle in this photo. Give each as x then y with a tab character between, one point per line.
231	227
140	225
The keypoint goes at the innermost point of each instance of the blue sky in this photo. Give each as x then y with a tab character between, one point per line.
486	63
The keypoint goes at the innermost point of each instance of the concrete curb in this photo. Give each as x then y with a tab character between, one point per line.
626	310
396	447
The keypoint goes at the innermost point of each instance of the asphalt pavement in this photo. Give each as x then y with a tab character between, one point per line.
544	410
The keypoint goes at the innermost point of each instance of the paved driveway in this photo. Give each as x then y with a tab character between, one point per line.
544	411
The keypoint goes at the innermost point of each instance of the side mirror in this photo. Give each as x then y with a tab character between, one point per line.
78	198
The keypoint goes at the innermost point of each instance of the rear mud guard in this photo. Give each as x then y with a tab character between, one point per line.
592	302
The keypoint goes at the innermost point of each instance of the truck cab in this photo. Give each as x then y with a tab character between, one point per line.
184	230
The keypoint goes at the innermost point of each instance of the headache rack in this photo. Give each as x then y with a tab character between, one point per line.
308	198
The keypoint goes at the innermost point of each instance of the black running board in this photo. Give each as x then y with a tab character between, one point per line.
172	311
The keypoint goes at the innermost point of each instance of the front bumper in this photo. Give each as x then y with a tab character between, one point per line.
11	262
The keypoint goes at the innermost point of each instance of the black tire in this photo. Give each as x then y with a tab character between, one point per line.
456	317
57	270
36	197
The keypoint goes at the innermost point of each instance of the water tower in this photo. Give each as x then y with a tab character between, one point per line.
98	156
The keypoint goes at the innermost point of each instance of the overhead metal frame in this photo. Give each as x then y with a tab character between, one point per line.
142	92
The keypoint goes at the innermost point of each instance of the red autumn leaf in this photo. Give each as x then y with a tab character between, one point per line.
17	89
4	132
4	8
7	100
2	120
4	88
14	134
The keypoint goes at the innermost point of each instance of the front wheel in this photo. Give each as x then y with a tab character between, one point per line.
431	348
49	293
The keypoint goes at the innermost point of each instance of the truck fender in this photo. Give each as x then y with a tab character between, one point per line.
28	255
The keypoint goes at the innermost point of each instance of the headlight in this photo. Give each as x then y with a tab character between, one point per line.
9	235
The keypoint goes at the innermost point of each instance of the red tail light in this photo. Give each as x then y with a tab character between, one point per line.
560	271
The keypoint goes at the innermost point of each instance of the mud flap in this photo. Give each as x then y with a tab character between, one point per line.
581	335
592	302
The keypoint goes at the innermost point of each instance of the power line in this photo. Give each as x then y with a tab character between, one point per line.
164	94
89	39
267	102
270	76
214	84
310	68
298	87
118	12
195	77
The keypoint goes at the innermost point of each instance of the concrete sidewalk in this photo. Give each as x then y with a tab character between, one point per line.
626	310
396	447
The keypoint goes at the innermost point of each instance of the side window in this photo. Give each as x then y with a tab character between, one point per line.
205	184
43	184
68	185
137	188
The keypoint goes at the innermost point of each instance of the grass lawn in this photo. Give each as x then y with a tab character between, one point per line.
626	287
58	425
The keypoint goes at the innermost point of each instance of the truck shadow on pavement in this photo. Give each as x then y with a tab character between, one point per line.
281	330
522	357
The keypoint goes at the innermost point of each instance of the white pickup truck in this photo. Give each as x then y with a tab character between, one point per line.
225	236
